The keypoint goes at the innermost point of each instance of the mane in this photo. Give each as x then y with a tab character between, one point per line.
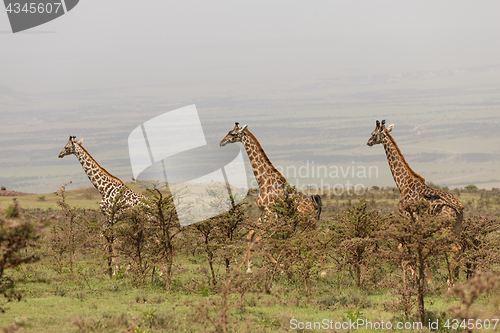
104	170
403	158
257	143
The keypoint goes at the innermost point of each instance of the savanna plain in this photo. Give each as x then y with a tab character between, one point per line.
67	269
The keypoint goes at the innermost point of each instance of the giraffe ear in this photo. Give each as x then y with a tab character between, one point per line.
391	126
243	129
81	141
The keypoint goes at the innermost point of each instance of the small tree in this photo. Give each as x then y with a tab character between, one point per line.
469	292
15	235
164	229
208	233
471	188
412	243
220	237
480	244
290	240
113	215
134	238
352	237
68	235
215	310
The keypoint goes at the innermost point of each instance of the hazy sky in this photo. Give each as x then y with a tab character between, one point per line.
128	43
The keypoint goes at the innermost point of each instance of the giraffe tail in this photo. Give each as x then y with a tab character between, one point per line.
459	207
317	199
452	201
455	204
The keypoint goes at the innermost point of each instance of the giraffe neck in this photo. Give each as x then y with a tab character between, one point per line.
262	167
98	176
403	175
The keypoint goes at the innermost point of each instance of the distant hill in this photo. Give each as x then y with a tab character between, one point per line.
8	193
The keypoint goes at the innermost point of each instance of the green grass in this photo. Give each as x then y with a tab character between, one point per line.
54	301
78	197
386	201
110	305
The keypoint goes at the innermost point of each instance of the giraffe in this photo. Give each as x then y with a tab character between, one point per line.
413	188
109	186
271	183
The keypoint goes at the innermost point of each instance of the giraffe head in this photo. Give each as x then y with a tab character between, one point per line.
378	135
70	147
234	135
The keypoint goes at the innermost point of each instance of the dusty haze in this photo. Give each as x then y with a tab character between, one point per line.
309	79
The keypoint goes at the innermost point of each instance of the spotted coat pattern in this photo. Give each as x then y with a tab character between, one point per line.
413	189
108	185
271	182
411	185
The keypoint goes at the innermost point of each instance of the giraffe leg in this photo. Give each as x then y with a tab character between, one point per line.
453	263
249	250
322	263
403	268
453	269
254	240
270	257
430	281
449	283
116	269
406	268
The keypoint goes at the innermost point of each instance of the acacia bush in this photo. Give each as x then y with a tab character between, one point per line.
352	241
146	236
73	233
17	234
480	244
412	243
469	293
221	238
370	255
133	248
164	230
292	240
